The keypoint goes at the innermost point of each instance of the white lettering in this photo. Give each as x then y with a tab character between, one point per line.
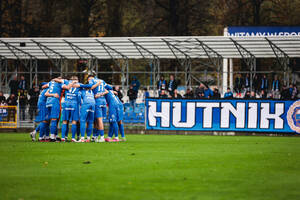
238	113
266	116
207	112
190	115
252	115
164	114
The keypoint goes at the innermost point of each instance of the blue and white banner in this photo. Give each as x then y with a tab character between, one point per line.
263	31
223	115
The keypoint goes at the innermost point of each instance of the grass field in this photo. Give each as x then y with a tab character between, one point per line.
151	167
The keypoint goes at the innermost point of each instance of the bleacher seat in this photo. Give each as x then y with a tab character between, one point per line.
132	116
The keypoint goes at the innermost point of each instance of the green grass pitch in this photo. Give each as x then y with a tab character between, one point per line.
151	167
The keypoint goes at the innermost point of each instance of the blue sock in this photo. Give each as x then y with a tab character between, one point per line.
74	130
89	129
38	128
95	132
82	128
67	133
110	130
42	129
63	130
78	130
53	127
47	129
101	132
121	128
116	129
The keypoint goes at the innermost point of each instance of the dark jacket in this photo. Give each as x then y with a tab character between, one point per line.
14	86
23	100
199	93
34	97
172	85
285	94
2	99
132	94
11	101
189	95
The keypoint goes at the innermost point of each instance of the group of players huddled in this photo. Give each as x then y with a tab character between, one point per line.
84	106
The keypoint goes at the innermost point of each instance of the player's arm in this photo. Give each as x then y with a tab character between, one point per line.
90	85
108	87
101	94
80	85
96	85
67	87
47	94
45	86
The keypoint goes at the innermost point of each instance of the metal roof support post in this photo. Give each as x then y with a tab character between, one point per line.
127	74
248	58
156	72
282	59
33	70
219	70
60	67
96	67
3	79
188	80
30	75
35	64
1	67
6	74
186	63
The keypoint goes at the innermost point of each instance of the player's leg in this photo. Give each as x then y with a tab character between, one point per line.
40	117
75	119
121	129
90	121
54	115
114	122
78	129
83	119
74	130
47	131
96	130
109	134
100	130
120	123
100	123
53	129
64	126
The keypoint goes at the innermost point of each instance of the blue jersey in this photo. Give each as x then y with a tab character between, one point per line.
87	96
42	98
71	95
55	87
111	98
99	89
